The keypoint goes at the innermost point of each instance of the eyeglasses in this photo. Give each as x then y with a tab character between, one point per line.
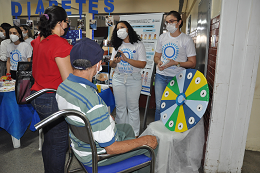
170	21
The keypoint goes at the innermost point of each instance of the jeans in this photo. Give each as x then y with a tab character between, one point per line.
160	83
55	143
127	89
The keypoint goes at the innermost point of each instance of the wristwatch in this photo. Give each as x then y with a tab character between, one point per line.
179	64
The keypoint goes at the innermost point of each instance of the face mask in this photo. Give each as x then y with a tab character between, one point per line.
121	33
2	36
24	34
171	27
14	38
98	70
65	29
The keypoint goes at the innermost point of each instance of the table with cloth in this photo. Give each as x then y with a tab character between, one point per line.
177	152
14	118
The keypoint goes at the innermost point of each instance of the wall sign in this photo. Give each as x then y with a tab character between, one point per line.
93	4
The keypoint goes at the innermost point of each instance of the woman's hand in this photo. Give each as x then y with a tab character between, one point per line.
159	65
123	57
169	64
116	60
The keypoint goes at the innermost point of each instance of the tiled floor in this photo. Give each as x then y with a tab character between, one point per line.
27	158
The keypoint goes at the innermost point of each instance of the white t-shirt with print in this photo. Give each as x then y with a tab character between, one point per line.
176	48
29	40
3	49
18	53
134	51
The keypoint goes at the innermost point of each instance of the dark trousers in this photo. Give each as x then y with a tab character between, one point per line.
55	135
13	74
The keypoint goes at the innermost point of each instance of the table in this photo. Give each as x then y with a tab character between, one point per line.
15	118
108	97
177	152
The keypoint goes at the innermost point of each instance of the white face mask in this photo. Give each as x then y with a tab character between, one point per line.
24	34
98	70
2	36
14	38
171	27
121	33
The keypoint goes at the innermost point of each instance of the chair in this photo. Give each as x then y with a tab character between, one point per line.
84	133
24	81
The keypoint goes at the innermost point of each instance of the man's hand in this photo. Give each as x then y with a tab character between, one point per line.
123	146
151	141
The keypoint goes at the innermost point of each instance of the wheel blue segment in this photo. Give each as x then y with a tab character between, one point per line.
188	78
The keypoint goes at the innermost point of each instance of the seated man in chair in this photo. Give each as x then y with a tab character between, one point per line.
79	93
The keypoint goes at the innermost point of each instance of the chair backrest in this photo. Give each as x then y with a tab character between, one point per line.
83	133
24	81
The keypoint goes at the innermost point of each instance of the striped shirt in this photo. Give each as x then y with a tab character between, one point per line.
80	94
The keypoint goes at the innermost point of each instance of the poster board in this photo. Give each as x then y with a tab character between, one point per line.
148	26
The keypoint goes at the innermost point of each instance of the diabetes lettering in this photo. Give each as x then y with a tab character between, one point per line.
93	4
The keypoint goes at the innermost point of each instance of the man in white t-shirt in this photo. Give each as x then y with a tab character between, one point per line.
175	51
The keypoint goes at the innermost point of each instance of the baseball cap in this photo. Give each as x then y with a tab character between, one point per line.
86	49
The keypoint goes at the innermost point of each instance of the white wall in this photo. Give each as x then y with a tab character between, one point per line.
215	8
5	12
235	79
253	137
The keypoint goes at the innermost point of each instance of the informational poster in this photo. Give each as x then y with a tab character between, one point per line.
16	22
73	36
148	27
93	24
80	24
29	23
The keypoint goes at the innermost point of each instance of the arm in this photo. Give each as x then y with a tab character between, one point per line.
190	63
3	53
127	145
157	60
64	66
135	63
8	65
114	62
29	59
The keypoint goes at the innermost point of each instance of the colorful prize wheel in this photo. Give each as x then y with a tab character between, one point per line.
184	100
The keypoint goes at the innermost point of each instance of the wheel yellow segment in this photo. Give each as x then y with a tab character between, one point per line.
197	82
168	94
181	125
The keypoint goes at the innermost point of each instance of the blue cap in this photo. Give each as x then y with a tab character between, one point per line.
86	49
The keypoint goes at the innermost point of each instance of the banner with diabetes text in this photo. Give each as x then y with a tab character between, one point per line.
148	26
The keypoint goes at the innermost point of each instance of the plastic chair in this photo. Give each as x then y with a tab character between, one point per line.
84	133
